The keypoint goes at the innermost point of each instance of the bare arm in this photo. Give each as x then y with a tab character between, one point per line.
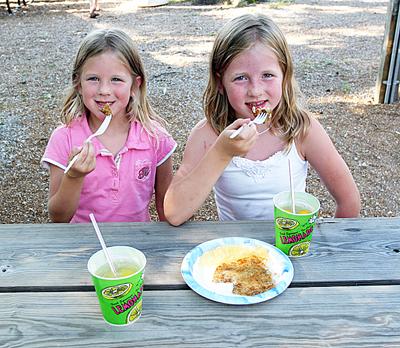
333	171
205	158
163	179
65	189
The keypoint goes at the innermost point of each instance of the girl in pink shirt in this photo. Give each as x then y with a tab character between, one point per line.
116	173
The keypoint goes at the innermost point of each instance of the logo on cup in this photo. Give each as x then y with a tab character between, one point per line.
114	292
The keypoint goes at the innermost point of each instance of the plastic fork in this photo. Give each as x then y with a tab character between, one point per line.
100	131
262	116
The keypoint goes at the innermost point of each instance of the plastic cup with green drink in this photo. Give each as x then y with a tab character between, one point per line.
293	230
120	295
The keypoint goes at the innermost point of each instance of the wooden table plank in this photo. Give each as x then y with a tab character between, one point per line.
367	316
343	250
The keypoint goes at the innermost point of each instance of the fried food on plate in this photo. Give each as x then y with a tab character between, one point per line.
249	275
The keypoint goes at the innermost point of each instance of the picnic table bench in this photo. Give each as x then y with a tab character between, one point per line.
345	292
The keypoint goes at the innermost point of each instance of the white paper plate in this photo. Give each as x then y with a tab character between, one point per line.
278	263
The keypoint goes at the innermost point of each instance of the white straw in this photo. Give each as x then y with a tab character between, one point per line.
292	188
103	245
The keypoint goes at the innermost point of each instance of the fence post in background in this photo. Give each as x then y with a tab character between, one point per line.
387	85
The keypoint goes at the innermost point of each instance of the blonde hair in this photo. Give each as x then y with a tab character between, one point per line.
114	40
289	119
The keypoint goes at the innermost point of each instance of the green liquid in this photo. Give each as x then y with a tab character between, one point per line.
123	269
300	209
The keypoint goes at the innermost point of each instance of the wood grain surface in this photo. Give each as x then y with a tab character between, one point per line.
367	316
343	251
345	293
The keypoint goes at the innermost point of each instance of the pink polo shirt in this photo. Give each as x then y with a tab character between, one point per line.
119	189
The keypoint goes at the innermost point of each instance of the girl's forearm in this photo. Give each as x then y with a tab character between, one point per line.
347	198
159	202
350	208
343	212
63	204
188	192
163	180
160	210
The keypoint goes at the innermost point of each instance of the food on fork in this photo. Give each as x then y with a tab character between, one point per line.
256	111
106	110
249	275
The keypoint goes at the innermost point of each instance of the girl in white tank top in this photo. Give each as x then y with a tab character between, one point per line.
245	189
251	69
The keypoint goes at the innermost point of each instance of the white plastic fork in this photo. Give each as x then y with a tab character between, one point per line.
258	120
100	131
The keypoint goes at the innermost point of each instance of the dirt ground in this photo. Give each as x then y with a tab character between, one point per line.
336	47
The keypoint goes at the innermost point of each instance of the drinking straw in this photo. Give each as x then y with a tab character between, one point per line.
292	188
103	245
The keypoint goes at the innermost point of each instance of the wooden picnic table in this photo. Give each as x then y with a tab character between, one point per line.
345	293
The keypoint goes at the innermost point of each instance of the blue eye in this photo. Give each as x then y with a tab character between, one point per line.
116	79
268	76
92	78
240	78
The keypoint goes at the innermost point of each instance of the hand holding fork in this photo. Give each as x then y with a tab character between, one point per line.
260	119
107	111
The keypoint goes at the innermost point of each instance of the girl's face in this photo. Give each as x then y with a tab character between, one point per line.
106	79
253	78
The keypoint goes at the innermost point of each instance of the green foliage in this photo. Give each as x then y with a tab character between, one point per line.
244	3
281	3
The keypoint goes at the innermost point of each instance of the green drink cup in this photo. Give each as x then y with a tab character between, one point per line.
120	297
293	231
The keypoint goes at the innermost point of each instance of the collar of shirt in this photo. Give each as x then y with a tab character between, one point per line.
138	138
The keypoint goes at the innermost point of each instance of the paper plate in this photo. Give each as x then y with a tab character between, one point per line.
198	277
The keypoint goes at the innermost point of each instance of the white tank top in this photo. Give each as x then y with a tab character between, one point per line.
245	189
